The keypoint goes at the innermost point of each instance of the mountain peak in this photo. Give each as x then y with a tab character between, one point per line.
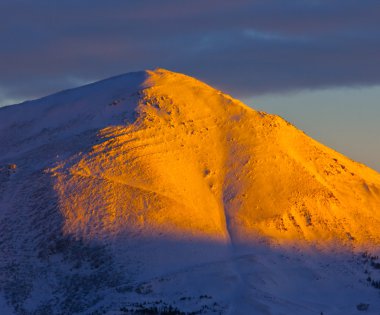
177	143
124	181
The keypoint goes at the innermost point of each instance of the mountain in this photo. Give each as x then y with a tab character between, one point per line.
152	187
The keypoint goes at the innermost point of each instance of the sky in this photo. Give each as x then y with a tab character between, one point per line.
314	62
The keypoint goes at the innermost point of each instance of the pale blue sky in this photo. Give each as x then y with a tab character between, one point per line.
345	119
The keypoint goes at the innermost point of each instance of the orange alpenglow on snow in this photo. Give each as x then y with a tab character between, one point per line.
195	163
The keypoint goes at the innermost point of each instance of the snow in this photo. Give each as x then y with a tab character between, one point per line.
5	309
154	188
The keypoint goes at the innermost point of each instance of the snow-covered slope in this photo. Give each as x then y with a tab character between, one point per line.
154	187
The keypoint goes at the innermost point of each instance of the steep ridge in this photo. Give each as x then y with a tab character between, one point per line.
107	189
194	157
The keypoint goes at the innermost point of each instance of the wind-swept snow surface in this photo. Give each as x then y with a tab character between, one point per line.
154	188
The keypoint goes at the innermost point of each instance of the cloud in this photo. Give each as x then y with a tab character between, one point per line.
244	47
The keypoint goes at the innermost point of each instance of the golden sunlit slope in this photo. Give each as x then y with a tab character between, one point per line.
196	163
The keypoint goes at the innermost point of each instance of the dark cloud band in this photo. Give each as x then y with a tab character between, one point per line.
245	47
